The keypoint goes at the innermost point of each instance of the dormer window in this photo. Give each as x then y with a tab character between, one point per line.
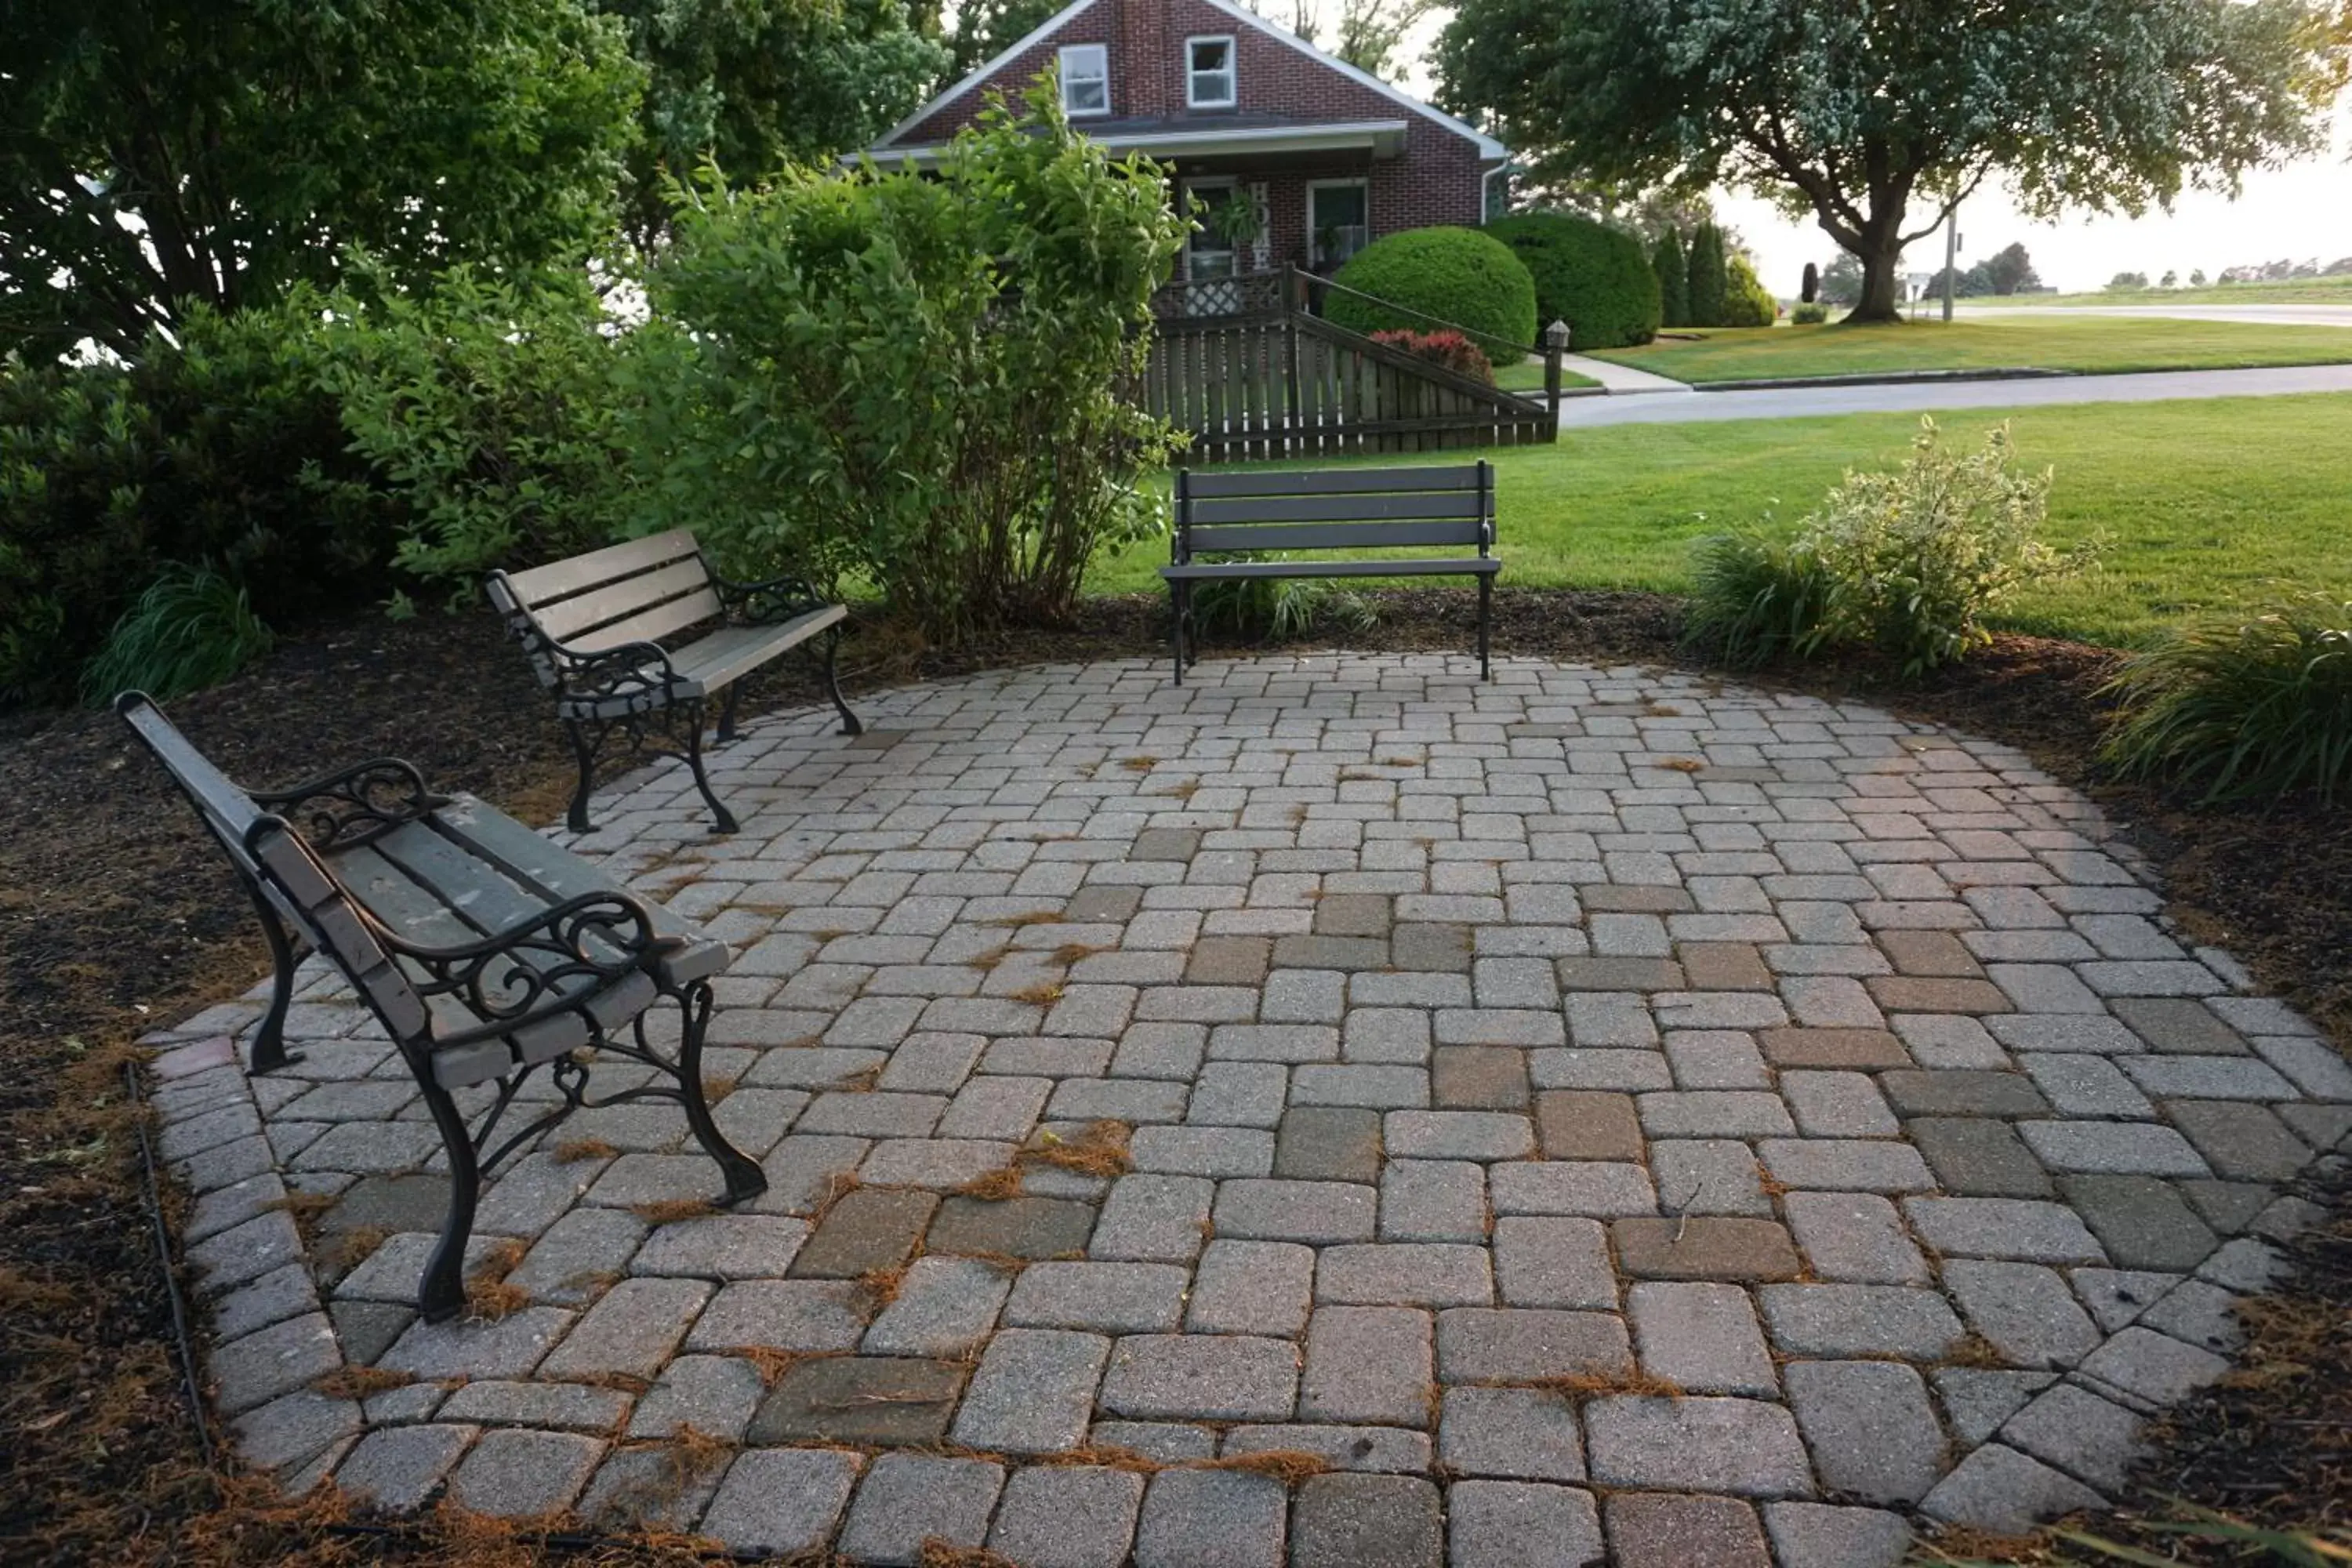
1086	80
1209	73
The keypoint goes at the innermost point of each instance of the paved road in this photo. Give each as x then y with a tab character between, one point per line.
1492	1055
1796	403
2263	315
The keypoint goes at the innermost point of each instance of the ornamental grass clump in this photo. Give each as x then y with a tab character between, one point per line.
2245	705
1908	562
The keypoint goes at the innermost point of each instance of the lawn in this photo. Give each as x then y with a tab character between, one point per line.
2202	502
1528	376
2334	290
2076	344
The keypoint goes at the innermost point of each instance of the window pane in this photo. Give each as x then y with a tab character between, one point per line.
1338	204
1210	61
1209	55
1080	96
1086	79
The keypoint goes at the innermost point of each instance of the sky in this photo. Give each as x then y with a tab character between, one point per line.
2301	212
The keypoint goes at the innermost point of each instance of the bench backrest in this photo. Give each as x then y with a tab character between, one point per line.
642	590
272	858
1336	509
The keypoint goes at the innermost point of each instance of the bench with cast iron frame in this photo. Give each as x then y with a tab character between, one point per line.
1330	510
592	628
485	950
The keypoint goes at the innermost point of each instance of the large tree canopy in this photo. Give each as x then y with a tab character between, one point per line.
1860	112
159	152
755	84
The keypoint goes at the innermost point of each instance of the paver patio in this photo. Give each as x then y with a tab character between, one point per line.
1605	1115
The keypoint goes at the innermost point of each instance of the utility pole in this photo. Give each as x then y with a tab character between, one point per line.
1951	256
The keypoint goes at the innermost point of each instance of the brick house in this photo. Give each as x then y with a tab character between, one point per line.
1328	156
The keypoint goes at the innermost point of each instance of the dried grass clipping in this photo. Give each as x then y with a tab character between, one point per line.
1099	1151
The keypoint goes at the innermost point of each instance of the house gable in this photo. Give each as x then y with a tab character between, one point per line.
1278	75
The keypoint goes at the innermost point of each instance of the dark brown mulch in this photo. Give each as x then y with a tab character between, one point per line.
115	915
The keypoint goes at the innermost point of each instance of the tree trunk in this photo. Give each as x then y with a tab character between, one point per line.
1882	282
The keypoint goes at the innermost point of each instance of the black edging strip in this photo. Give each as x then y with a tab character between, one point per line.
171	1281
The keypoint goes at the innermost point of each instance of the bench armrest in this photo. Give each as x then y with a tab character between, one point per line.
517	976
620	670
763	604
354	804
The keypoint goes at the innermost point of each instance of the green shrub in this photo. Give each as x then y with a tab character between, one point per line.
1587	274
2243	705
225	446
1908	562
1459	276
192	629
1755	600
1277	608
1709	277
1671	269
494	410
1746	301
913	380
1808	315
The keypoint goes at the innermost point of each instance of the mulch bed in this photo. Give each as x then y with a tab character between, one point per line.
117	916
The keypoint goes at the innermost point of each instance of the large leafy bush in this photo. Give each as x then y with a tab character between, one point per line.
1590	276
915	381
226	445
493	408
1458	276
1746	301
2243	705
1909	562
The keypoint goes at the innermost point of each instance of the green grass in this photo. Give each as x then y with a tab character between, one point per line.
2293	291
2076	344
2203	502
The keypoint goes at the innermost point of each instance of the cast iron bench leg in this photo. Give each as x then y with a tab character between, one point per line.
849	724
690	714
1485	600
585	751
744	1178
727	718
269	1039
442	1294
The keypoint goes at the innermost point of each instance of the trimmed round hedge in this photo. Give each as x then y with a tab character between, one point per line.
1595	277
1456	275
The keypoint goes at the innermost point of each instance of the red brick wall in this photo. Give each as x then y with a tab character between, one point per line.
1438	180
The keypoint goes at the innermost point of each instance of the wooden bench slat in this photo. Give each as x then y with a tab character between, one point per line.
651	624
566	619
1336	481
1334	535
723	656
1422	566
1371	509
559	579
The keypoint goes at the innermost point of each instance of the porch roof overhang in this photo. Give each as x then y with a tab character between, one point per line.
1377	138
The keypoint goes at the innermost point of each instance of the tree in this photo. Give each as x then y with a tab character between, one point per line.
2123	280
2197	278
1842	280
1810	289
1971	284
1365	33
2011	269
1855	112
983	29
755	84
1674	281
156	154
2170	279
1708	277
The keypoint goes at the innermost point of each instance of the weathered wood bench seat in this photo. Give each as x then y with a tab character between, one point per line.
593	626
1327	510
486	952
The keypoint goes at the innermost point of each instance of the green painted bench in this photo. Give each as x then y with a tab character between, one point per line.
592	626
1295	510
486	952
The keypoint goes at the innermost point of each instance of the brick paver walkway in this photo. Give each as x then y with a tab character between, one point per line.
1601	1115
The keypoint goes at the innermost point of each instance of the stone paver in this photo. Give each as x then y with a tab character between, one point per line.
1480	1078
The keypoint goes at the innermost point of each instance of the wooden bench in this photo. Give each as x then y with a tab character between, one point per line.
592	626
1332	509
486	952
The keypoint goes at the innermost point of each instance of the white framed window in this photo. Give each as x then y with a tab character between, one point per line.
1086	80
1338	220
1209	81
